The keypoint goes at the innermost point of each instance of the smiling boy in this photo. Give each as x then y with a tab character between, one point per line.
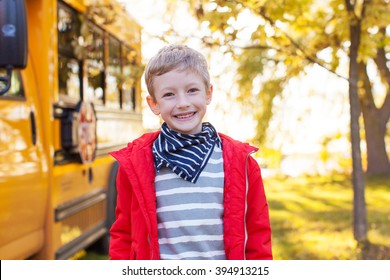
181	97
187	191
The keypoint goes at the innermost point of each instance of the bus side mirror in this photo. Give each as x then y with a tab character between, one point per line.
13	38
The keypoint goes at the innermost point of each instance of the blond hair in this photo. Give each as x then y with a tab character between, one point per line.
175	57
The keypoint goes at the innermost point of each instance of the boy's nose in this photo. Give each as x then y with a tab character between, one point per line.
182	101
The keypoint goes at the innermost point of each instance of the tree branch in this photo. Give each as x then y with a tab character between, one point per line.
367	97
306	56
385	110
381	62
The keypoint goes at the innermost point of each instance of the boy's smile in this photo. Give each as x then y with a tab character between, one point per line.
181	97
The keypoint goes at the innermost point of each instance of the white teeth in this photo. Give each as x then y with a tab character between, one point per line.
184	116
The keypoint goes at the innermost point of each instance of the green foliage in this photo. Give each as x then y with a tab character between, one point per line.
270	158
263	114
290	35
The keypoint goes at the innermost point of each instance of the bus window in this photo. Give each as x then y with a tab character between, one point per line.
16	90
69	77
113	73
94	49
69	53
129	83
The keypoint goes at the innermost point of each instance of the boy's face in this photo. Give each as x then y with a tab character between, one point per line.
181	98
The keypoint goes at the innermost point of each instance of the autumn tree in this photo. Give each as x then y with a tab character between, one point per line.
292	35
356	15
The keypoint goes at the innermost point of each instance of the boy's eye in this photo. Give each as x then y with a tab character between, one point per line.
168	94
193	90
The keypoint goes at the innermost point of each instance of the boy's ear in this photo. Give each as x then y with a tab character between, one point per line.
153	105
209	94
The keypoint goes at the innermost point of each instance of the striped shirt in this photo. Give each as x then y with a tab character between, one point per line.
190	215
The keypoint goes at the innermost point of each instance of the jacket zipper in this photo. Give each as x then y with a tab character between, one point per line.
149	228
246	198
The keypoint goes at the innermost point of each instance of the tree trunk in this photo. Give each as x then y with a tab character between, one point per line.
375	127
377	161
359	210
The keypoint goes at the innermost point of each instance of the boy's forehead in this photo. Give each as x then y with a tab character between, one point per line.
178	77
183	73
187	71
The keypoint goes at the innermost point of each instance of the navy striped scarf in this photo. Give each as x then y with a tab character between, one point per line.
185	154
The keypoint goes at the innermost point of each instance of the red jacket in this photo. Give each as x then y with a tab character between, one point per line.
134	234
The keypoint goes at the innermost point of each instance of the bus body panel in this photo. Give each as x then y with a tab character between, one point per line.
51	204
23	173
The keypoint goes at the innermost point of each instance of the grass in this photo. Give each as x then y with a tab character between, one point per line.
311	218
90	255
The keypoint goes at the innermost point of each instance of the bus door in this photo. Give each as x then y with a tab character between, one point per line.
23	168
23	179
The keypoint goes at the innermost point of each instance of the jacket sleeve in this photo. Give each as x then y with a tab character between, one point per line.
120	243
258	245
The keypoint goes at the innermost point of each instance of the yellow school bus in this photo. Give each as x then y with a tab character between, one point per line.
69	93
